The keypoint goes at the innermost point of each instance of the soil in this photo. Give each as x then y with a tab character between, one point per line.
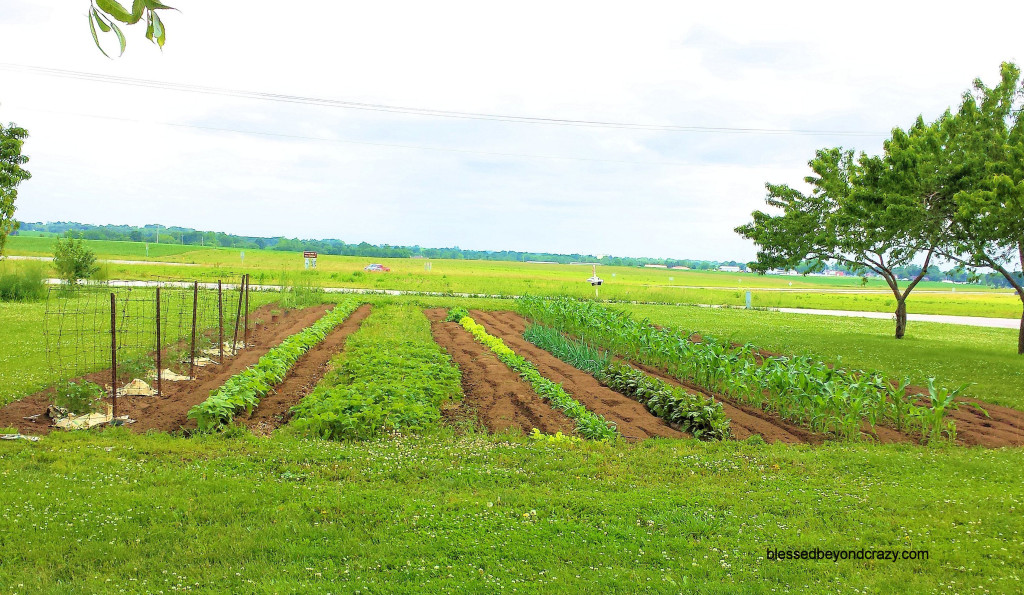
495	395
274	409
1001	427
632	419
168	412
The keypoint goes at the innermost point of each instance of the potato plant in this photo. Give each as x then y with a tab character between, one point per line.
244	390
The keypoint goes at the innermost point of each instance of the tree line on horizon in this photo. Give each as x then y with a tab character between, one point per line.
191	237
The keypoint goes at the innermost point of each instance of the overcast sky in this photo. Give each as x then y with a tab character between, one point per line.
113	153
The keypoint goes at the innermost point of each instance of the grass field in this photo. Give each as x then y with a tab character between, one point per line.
487	514
511	278
462	512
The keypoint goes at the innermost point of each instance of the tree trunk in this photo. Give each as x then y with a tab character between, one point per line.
1020	337
901	318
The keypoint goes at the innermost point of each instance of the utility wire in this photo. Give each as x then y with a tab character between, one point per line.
207	90
375	144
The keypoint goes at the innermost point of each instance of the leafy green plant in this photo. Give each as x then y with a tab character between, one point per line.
244	390
391	377
699	415
78	398
456	314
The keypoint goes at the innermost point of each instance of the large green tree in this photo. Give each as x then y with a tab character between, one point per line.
986	166
852	216
105	15
12	139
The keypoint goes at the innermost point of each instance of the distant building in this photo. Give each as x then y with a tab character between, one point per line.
728	269
655	266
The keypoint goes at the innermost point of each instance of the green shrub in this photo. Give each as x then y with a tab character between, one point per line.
456	314
73	260
25	285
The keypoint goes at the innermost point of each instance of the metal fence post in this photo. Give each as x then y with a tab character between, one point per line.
238	317
159	362
220	318
113	354
245	334
195	311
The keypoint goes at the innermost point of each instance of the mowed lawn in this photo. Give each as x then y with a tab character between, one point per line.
113	512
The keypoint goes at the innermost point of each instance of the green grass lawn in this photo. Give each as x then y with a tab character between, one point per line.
954	355
112	512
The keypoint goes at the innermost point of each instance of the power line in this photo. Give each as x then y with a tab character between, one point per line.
335	103
371	143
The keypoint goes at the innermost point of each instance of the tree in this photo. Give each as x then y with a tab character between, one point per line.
106	14
854	216
73	260
12	139
987	150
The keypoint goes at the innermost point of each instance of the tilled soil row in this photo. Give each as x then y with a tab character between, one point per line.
632	419
497	396
169	411
273	410
494	394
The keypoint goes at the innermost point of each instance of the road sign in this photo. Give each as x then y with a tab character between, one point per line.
309	254
310	258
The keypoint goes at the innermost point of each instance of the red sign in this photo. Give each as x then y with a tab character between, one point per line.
309	254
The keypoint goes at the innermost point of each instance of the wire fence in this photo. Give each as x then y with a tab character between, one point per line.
131	332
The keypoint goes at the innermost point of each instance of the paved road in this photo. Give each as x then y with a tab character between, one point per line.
964	320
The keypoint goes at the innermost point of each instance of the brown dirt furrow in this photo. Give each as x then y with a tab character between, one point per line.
496	395
632	419
273	410
168	412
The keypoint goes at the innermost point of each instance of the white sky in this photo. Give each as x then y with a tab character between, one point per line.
863	67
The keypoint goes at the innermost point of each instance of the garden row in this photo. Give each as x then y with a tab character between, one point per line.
822	397
243	391
391	377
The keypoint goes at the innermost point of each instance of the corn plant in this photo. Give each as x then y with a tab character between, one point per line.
824	398
696	414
